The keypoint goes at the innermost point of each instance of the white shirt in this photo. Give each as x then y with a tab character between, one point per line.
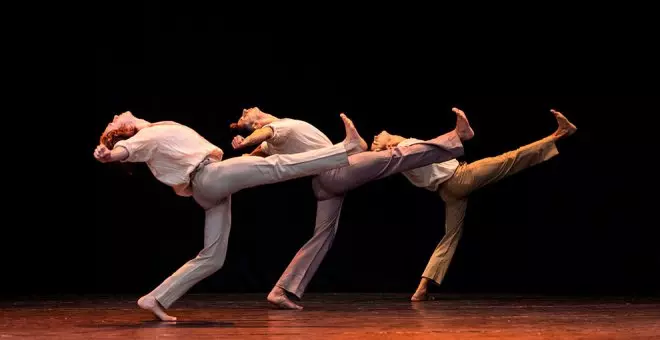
431	176
294	136
172	151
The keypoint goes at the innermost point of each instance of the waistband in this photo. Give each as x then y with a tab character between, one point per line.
208	159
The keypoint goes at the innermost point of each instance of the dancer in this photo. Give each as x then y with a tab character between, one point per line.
184	160
285	136
454	182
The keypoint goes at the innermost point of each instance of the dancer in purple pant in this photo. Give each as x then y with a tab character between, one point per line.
286	136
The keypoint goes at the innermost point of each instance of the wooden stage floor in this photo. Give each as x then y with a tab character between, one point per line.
334	316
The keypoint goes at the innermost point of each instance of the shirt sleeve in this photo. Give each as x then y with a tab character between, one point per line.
410	141
282	128
265	148
141	146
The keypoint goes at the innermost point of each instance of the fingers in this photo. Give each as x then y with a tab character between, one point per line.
102	153
237	142
99	151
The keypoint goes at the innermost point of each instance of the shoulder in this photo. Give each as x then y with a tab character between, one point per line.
300	125
164	130
285	122
166	124
285	126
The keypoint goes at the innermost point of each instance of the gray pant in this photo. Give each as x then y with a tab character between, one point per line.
213	186
331	186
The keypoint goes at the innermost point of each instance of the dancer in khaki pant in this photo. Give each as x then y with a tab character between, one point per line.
454	182
184	160
283	136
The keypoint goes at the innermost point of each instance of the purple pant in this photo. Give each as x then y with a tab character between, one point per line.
331	186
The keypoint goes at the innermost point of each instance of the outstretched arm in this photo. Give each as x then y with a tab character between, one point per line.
258	136
103	155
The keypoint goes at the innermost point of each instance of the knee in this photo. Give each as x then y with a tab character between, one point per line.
328	228
214	266
320	192
211	264
323	195
448	195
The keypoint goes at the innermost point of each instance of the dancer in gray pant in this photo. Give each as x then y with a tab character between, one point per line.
184	160
286	136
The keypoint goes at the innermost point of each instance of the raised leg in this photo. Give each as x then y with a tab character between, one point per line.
492	169
369	166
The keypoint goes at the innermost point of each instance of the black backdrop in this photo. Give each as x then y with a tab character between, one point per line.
574	225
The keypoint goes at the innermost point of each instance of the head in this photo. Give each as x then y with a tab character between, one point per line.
381	141
125	118
251	119
123	126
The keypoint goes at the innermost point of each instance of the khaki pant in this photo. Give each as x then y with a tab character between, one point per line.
213	186
331	187
470	177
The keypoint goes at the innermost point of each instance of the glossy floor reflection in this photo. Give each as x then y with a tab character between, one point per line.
334	316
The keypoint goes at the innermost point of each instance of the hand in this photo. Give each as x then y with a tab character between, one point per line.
237	142
102	154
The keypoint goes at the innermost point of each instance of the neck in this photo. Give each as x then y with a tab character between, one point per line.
267	119
141	124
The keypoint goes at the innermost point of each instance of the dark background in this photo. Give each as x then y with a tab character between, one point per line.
574	225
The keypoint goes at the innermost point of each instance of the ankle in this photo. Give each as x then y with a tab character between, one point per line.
420	293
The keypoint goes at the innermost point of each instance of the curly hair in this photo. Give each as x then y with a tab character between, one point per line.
110	138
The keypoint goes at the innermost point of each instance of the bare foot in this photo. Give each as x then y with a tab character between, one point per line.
151	304
420	295
463	128
353	142
565	128
278	297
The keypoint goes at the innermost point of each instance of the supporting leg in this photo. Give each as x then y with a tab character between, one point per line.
207	262
304	265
